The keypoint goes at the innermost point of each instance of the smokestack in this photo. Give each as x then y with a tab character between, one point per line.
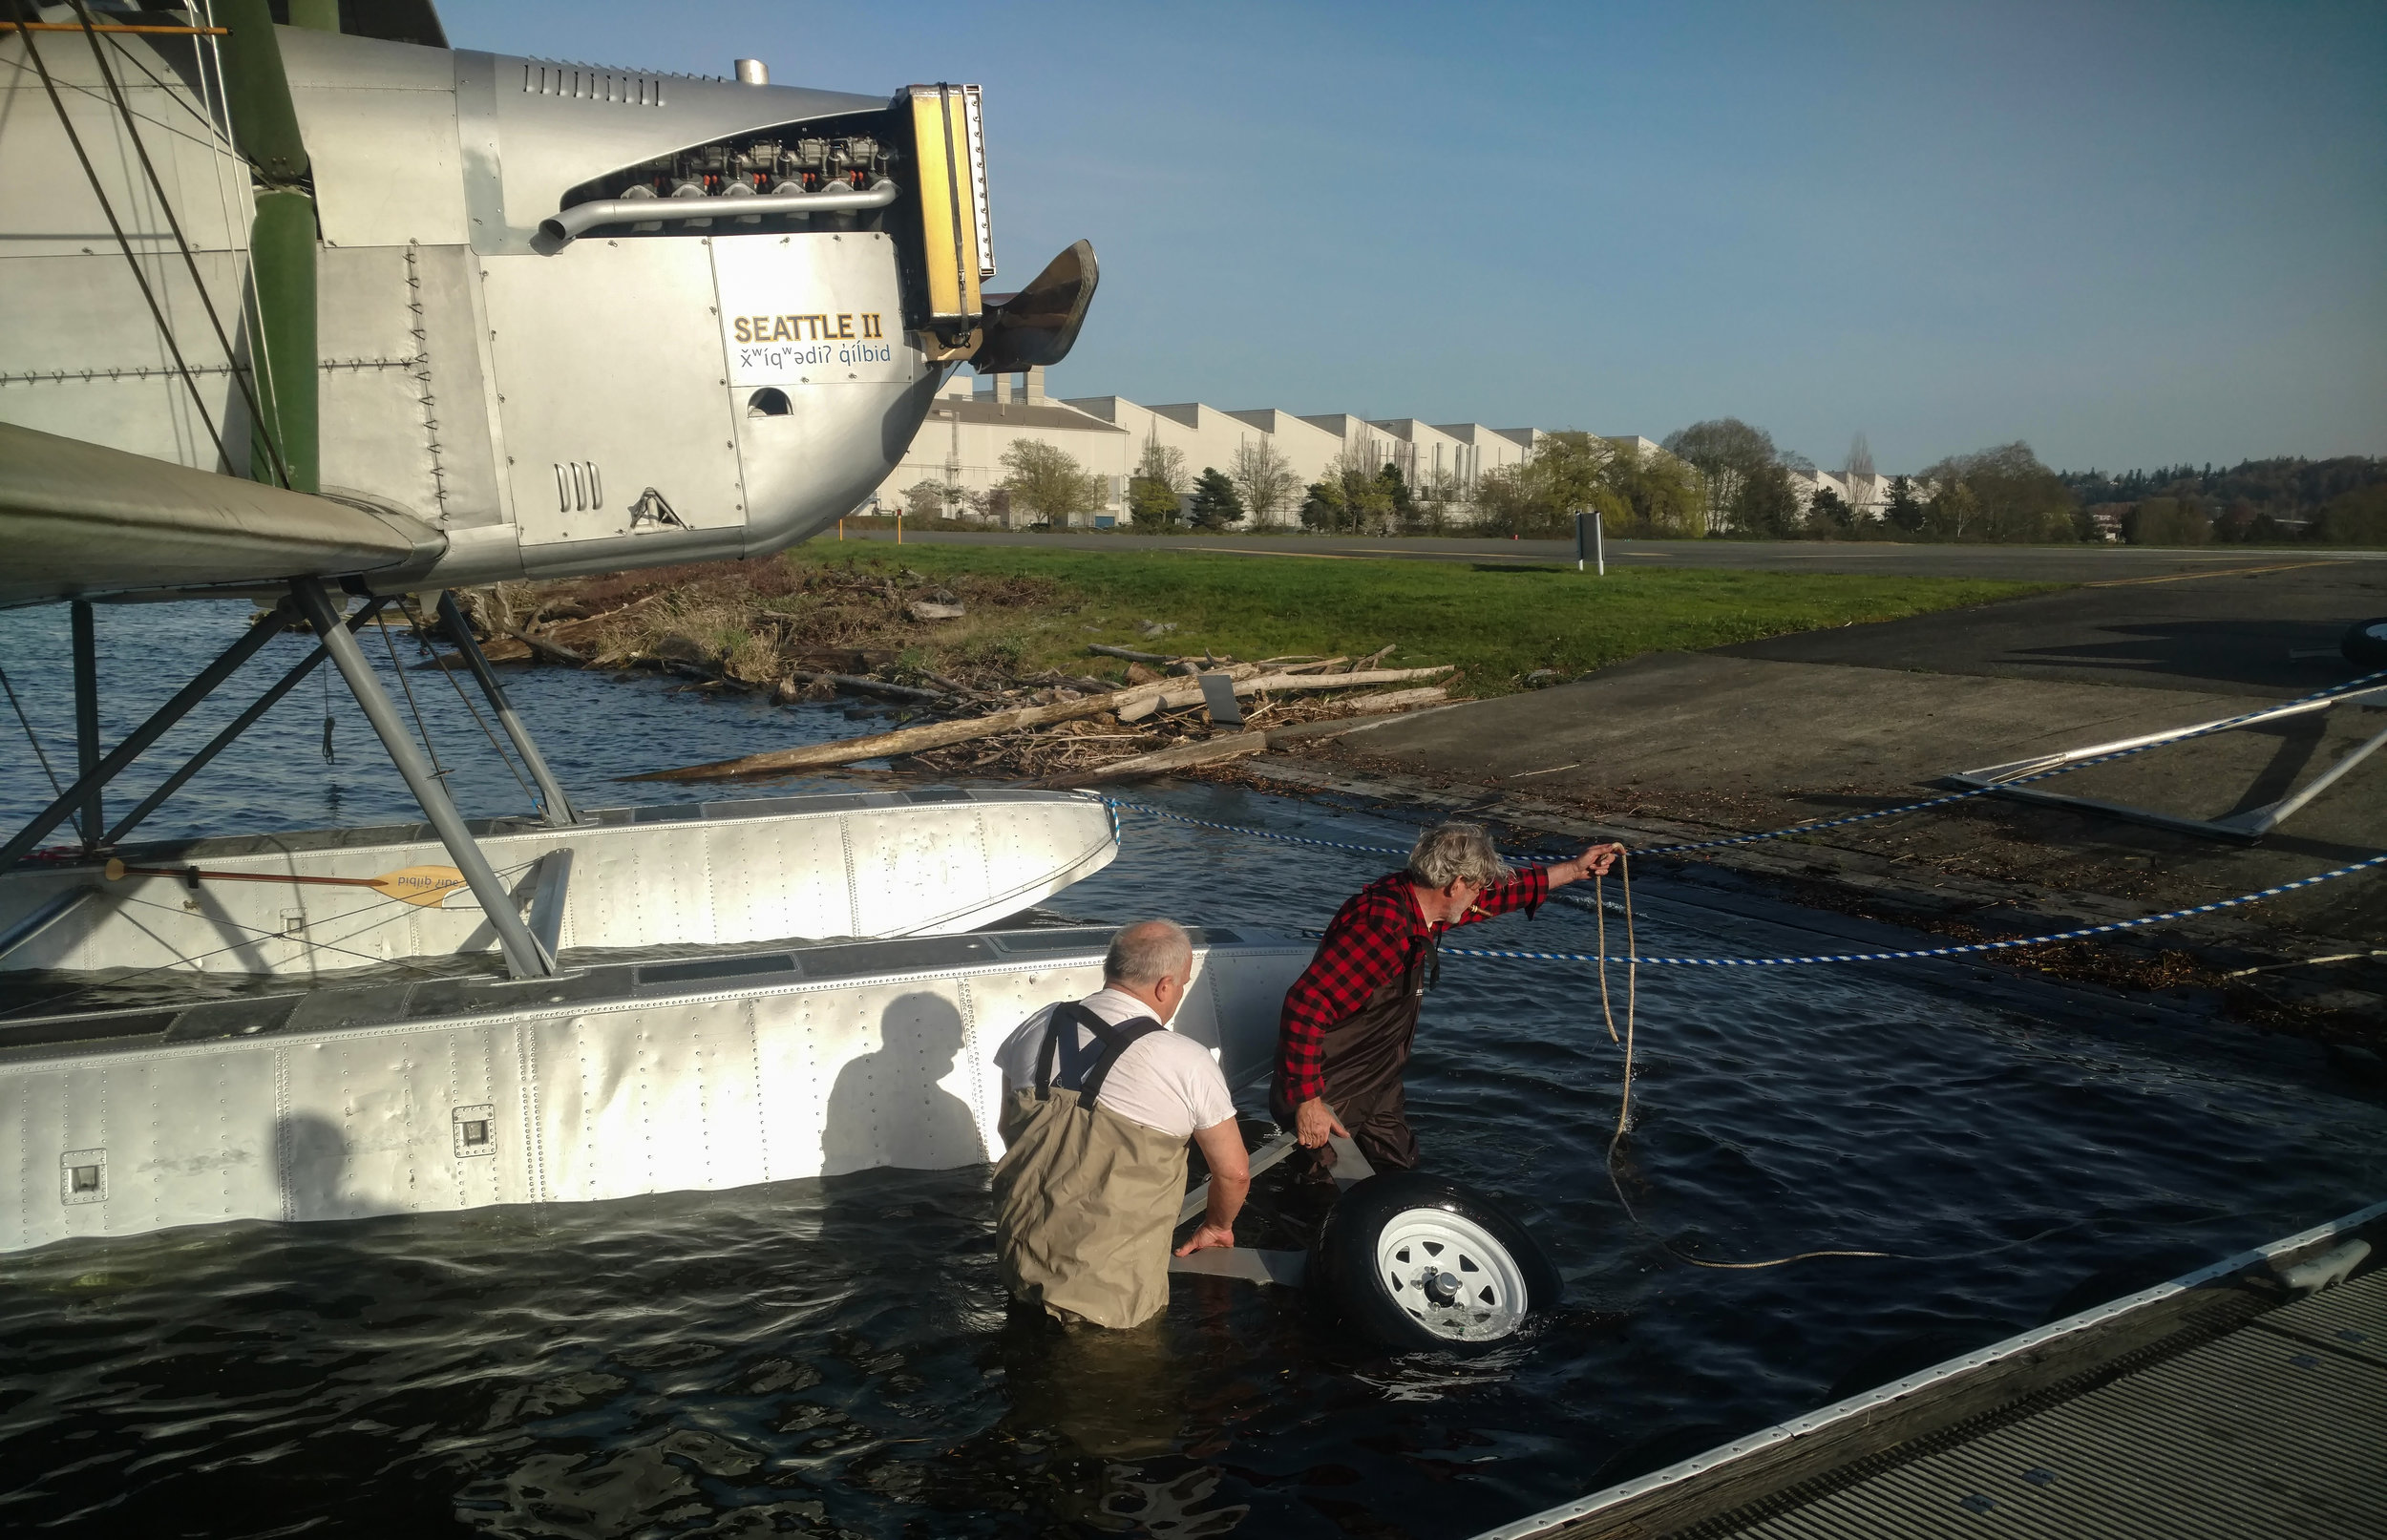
753	73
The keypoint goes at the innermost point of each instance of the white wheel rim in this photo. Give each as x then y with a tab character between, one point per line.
1449	1276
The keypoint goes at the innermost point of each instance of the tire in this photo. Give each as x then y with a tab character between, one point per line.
2365	644
1422	1263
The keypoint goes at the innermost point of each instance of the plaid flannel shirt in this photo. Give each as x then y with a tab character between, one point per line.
1369	942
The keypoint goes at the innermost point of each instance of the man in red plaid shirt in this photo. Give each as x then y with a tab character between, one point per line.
1348	1020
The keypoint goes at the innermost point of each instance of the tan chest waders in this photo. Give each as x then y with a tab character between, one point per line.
1085	1199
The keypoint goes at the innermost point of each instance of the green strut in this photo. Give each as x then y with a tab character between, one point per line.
281	248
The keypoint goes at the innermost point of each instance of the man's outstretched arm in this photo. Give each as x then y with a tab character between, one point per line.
1230	1183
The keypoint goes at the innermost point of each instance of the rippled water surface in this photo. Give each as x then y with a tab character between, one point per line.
832	1356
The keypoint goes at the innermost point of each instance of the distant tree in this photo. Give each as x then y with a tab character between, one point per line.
2356	517
1325	507
2166	522
1904	512
1215	505
1829	516
1856	469
1162	463
1507	504
1263	480
1369	501
1953	513
1436	502
1727	452
1047	483
1151	507
1765	504
924	499
2016	499
1662	495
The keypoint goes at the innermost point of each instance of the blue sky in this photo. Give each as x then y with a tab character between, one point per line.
2131	234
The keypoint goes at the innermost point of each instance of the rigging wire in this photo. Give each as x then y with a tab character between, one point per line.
117	42
30	736
124	242
99	54
332	945
212	97
160	125
503	758
438	772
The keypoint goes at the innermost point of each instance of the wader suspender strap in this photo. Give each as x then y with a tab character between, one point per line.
1115	1041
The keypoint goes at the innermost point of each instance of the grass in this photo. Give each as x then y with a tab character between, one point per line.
1499	624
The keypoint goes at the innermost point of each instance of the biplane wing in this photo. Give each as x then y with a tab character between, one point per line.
82	521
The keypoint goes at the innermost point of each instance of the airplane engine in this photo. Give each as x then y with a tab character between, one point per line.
567	319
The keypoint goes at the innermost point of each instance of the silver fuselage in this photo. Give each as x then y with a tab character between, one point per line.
518	396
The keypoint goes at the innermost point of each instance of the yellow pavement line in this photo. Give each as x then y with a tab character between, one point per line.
2221	572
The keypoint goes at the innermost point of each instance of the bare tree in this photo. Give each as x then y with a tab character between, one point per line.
1440	497
1864	488
1264	479
1164	464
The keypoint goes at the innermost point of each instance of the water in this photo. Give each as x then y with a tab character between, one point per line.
833	1358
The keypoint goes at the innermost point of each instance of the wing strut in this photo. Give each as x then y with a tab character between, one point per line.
525	958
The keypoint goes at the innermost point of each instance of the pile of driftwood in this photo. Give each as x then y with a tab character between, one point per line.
1174	712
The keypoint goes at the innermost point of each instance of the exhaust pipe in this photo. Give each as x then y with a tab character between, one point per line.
583	217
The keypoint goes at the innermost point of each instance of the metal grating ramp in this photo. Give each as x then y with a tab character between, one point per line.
2277	1429
2351	1318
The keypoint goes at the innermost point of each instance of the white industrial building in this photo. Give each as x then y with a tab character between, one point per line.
974	422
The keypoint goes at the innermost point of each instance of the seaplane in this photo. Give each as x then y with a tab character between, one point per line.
304	305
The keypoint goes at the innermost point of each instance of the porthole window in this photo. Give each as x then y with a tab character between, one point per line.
768	402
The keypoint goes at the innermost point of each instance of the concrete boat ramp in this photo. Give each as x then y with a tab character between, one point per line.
2248	1399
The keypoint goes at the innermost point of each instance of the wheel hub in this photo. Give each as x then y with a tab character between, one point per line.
1449	1275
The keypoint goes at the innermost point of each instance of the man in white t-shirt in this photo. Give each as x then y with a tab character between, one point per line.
1099	1102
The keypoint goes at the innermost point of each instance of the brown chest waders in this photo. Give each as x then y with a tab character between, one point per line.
1363	1056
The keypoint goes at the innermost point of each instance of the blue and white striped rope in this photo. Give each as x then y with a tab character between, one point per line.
1968	949
2366	681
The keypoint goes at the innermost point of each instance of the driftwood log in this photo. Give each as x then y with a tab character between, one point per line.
869	686
1401	700
1176	696
554	652
1132	704
1183	757
905	740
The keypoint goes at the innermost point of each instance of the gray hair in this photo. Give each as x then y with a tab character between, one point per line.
1147	951
1451	853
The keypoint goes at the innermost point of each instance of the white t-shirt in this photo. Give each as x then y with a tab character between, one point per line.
1164	1081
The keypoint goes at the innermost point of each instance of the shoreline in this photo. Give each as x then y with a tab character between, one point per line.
2199	963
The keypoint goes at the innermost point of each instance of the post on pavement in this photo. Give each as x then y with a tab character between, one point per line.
1591	544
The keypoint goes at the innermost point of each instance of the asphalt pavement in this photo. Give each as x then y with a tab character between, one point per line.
2267	631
